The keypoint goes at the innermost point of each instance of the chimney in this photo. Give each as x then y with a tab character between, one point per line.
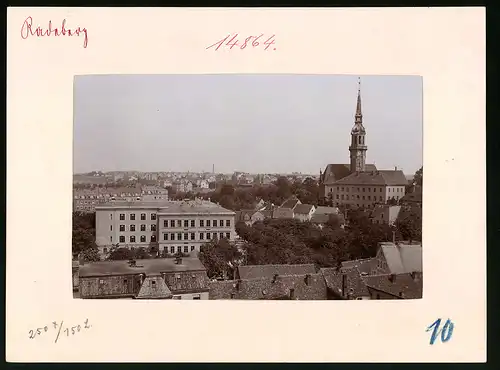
308	279
292	293
344	284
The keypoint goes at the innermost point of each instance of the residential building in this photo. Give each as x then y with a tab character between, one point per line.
160	278
168	227
249	217
396	286
303	212
85	200
385	214
398	258
358	183
153	193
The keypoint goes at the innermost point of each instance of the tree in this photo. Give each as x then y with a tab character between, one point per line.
121	254
334	221
90	254
219	258
83	231
418	179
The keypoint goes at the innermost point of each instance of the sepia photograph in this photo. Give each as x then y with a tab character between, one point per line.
247	187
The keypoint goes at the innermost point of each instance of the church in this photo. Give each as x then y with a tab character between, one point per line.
359	184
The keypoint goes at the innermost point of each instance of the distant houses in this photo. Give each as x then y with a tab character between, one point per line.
291	208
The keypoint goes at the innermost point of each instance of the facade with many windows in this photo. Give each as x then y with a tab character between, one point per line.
171	227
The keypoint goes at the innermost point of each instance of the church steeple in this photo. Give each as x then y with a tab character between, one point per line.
359	114
358	147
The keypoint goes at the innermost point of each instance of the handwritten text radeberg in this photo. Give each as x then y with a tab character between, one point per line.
28	29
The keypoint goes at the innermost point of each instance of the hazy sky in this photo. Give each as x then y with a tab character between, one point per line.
251	123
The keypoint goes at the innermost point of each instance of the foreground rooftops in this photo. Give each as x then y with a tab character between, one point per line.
268	271
169	207
147	266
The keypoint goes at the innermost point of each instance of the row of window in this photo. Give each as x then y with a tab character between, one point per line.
132	216
191	236
132	239
369	190
192	223
353	197
132	227
180	236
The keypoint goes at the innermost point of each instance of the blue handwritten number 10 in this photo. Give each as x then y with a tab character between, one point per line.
446	331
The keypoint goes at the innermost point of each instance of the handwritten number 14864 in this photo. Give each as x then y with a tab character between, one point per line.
253	41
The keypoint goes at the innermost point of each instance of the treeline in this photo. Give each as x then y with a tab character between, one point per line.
279	241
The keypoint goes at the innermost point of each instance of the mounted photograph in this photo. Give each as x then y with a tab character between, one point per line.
247	187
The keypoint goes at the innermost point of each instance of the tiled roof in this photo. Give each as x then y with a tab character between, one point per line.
303	208
305	287
290	202
334	172
146	266
154	287
183	282
363	265
401	286
268	271
333	279
354	285
402	258
240	215
326	210
388	178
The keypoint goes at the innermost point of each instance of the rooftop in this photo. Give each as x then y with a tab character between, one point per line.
403	285
402	257
291	287
334	172
147	266
303	208
290	202
268	271
376	177
167	207
363	265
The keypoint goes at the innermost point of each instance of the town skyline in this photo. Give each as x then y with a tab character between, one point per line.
117	117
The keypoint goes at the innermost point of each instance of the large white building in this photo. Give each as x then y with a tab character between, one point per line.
171	226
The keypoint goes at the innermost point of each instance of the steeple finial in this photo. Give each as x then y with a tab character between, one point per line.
358	104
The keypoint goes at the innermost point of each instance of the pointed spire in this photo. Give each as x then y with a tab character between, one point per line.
359	114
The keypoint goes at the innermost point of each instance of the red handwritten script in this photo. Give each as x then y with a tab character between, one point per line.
229	42
28	30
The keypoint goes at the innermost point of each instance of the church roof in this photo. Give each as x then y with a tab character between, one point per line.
334	172
390	178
